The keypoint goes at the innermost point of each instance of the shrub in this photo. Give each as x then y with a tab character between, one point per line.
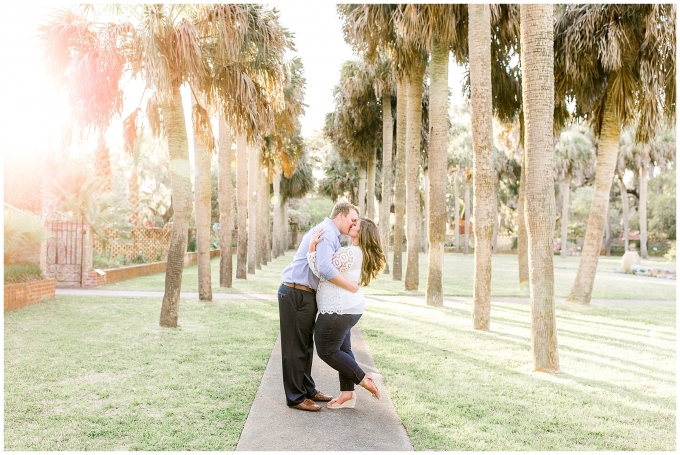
191	245
22	273
21	230
140	259
105	261
671	251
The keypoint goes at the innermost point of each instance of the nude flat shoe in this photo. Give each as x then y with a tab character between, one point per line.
345	404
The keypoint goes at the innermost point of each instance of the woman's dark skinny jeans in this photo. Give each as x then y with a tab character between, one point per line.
334	346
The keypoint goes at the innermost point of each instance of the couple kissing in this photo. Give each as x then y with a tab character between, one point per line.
320	301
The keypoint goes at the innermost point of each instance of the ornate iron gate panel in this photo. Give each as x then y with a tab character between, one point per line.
64	255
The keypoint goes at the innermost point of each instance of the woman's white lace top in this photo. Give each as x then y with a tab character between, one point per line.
331	298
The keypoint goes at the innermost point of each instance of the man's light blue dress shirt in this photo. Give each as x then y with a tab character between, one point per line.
298	270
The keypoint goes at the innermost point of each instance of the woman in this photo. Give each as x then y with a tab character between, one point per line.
340	310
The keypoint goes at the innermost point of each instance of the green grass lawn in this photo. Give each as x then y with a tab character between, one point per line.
458	279
100	374
458	389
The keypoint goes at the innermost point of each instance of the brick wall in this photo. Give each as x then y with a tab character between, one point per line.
133	271
21	294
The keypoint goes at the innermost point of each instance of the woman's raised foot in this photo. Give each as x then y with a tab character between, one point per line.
368	383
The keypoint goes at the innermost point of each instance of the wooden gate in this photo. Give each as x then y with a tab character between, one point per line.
65	252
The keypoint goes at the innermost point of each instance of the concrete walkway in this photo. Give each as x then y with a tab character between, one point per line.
272	426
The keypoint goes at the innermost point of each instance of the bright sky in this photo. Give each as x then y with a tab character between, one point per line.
33	113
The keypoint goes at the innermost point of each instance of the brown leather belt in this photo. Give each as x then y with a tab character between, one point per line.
301	287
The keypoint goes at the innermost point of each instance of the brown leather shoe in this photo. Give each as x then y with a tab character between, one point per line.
320	396
307	405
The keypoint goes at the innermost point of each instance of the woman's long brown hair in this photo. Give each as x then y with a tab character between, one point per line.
373	257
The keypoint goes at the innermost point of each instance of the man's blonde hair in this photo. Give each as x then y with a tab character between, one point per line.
343	208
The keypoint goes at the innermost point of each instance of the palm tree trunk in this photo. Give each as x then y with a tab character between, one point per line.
253	188
494	243
370	185
608	236
225	189
607	152
259	226
626	213
644	175
362	188
565	190
242	203
467	214
180	183
522	239
479	37
277	244
399	182
387	175
536	31
456	207
426	210
414	103
202	184
284	228
437	165
265	220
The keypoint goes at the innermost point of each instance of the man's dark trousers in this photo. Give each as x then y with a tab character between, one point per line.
297	312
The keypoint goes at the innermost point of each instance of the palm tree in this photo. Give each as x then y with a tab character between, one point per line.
242	204
659	152
284	145
225	156
384	83
441	38
537	92
340	178
150	44
254	176
506	94
409	21
460	158
399	182
483	169
245	45
574	155
369	28
355	124
85	62
168	45
617	63
202	180
300	182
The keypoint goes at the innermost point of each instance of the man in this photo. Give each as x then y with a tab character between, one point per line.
297	307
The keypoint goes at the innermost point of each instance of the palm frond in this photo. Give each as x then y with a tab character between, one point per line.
203	127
